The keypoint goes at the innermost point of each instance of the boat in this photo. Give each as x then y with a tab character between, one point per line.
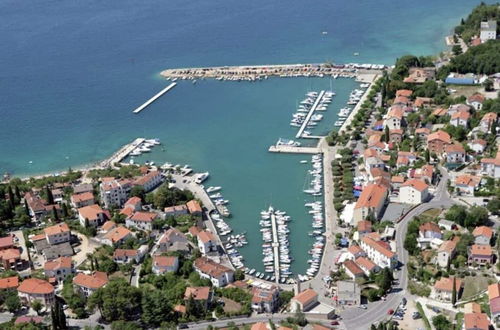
213	189
303	161
201	177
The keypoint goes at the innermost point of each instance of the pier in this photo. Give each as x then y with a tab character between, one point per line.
122	153
294	150
275	246
309	115
154	98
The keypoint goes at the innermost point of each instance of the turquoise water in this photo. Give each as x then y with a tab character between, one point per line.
72	72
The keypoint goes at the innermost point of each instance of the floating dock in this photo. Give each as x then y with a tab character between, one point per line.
309	114
294	150
275	246
154	98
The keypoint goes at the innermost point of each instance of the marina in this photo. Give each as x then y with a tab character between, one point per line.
314	106
154	98
122	153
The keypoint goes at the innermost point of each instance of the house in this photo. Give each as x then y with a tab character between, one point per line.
9	283
117	236
404	92
83	188
304	301
422	101
372	160
128	255
400	102
59	268
59	233
176	210
371	201
460	118
114	192
355	251
443	289
348	293
476	101
133	204
395	135
194	208
378	253
429	230
203	294
476	321
439	112
7	242
367	265
447	225
437	141
455	153
260	326
397	181
481	254
394	118
107	226
353	270
162	264
33	289
478	145
422	133
141	220
149	181
375	143
420	75
88	284
494	299
488	121
364	227
206	242
11	259
219	274
92	215
425	173
173	240
467	184
83	199
482	235
414	192
472	307
51	252
29	319
445	253
491	166
265	300
488	31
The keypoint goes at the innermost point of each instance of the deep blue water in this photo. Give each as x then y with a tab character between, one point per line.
72	72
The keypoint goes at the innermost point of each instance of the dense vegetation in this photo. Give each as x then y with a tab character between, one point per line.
481	59
470	26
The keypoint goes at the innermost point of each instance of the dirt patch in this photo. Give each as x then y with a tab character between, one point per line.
230	305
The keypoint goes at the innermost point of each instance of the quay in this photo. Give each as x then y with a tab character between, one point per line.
259	72
309	115
154	98
122	153
294	150
275	246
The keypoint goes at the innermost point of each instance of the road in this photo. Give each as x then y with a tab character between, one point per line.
91	321
355	318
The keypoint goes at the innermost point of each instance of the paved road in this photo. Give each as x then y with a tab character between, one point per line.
91	321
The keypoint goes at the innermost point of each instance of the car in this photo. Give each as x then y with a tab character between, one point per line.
363	307
182	326
416	315
404	301
334	323
390	312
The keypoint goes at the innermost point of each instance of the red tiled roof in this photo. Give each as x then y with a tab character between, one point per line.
355	249
61	262
353	267
9	282
10	254
197	292
56	229
476	97
35	286
117	234
90	212
78	198
404	92
193	206
366	263
481	250
143	216
371	196
446	284
416	184
306	296
494	291
206	236
163	261
108	225
95	281
119	253
476	321
455	148
364	225
379	248
429	226
423	130
439	135
6	241
210	267
483	231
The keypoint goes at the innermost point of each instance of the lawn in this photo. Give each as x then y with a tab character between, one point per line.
430	214
473	285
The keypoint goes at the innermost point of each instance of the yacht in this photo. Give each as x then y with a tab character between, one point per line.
213	189
201	177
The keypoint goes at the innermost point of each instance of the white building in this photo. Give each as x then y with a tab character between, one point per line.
206	242
381	256
149	181
59	233
445	253
114	192
141	220
413	192
219	274
488	31
163	264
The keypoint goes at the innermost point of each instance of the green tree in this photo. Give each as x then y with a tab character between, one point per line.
138	191
58	316
440	322
494	206
37	306
50	197
12	302
454	292
410	244
457	50
155	308
488	85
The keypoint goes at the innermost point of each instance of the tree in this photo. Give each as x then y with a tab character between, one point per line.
410	244
37	306
155	308
239	275
457	50
58	316
440	322
285	297
488	85
494	206
138	191
386	134
50	197
65	211
12	302
55	216
457	214
427	156
454	292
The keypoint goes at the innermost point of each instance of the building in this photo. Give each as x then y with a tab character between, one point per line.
420	75
422	133
467	184
88	284
348	293
367	265
488	31
11	259
414	192
477	145
476	101
265	300
364	227
173	240
37	208
371	201
437	141
7	242
149	181
304	301
133	204
33	289
353	270
396	135
83	188
194	208
481	254
488	121
429	230
425	173
59	233
176	210
455	153
9	283
460	118
394	118
219	274
355	251
117	235
206	242
59	268
162	264
476	321
141	220
491	166
461	79
447	225
443	289
92	215
114	192
482	235
372	160
494	298
128	255
378	253
83	199
445	253
203	294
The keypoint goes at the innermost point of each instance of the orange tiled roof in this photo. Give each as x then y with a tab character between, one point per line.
306	296
117	234
197	292
404	92
108	225
371	196
206	236
439	135
377	247
9	282
366	263
481	250
193	206
423	130
446	284
416	184
95	281
90	212
56	229
143	216
476	321
78	198
483	231
429	226
61	262
364	225
494	291
163	261
35	286
458	148
448	246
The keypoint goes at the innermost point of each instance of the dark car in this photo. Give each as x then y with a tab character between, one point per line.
334	323
404	301
390	312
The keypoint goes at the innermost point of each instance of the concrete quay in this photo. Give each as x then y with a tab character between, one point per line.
275	246
309	114
294	150
122	153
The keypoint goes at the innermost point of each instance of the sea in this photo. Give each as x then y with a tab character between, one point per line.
71	72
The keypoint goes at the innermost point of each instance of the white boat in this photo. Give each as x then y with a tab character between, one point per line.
201	177
213	189
303	161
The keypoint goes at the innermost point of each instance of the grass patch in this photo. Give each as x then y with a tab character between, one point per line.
474	285
459	319
424	317
430	214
